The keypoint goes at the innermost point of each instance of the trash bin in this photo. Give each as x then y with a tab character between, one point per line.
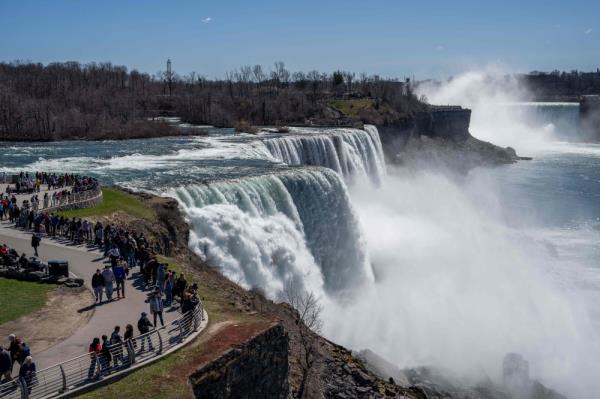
58	268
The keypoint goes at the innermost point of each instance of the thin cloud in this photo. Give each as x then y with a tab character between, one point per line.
588	31
206	20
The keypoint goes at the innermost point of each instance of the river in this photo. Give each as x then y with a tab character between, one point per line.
422	267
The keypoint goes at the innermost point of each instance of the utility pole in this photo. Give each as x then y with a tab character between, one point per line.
169	77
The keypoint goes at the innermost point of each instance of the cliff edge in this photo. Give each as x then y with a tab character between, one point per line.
426	136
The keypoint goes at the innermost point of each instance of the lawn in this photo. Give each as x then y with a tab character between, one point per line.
112	201
351	107
19	298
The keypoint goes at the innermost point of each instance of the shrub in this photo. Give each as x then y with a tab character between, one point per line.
244	126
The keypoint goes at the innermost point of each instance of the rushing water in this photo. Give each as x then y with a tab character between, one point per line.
422	268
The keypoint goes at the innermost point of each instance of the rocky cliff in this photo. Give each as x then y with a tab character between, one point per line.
257	368
440	137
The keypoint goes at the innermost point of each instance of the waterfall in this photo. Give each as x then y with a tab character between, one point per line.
295	225
353	153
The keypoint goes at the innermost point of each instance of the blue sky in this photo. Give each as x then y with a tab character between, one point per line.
390	38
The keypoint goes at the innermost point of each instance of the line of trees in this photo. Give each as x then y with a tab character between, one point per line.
101	100
555	84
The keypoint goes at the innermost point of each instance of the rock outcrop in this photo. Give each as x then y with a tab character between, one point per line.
435	383
257	369
440	137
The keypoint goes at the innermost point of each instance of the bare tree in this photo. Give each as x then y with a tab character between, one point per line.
308	324
258	73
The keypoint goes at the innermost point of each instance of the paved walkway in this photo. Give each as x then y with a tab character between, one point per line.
83	261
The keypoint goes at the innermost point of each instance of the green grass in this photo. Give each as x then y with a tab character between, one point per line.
19	298
351	107
113	201
172	264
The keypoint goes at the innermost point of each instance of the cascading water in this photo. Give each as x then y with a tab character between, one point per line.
294	225
355	154
464	271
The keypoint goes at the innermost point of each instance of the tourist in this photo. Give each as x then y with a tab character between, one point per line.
13	349
94	350
160	277
116	342
189	302
180	286
128	336
23	262
98	285
156	307
119	272
113	255
150	269
188	305
24	352
128	332
169	289
35	241
106	356
109	279
99	234
27	373
5	365
144	325
132	258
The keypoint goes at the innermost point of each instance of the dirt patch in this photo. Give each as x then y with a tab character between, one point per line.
230	335
65	312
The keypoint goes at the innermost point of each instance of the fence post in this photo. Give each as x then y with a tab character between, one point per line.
64	378
160	341
181	329
196	320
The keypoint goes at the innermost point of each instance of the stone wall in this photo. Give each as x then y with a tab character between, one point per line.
258	368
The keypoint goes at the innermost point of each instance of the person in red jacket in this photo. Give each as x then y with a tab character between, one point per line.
95	349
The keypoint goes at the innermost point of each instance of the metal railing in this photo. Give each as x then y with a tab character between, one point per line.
74	198
56	204
89	369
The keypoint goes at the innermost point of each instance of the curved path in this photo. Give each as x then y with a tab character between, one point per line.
83	262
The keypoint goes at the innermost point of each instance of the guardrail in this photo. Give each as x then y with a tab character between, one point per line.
89	369
74	198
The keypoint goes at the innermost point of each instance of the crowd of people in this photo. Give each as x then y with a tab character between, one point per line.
112	351
17	352
29	183
125	250
66	189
